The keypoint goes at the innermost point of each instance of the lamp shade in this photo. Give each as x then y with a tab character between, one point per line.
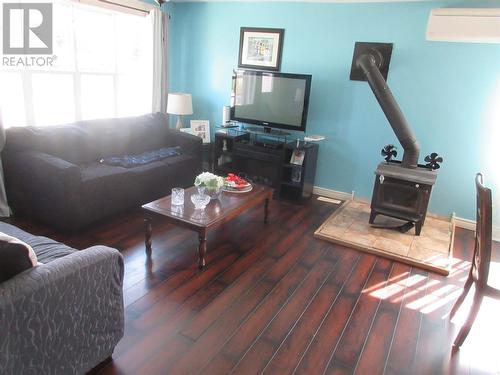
179	104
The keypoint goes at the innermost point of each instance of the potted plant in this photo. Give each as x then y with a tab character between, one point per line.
209	183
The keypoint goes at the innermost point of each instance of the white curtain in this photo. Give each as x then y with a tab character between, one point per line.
4	207
160	60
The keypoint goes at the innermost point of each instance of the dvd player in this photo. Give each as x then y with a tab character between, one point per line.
269	143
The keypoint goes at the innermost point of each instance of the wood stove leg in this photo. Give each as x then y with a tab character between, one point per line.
373	215
418	227
148	230
202	248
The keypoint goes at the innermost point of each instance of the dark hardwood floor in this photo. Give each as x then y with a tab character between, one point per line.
275	300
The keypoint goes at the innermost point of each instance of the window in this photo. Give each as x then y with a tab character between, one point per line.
103	68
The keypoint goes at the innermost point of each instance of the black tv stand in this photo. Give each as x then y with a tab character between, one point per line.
267	161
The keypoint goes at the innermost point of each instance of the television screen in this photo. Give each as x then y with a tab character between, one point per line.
278	100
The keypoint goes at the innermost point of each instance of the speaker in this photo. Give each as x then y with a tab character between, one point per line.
226	114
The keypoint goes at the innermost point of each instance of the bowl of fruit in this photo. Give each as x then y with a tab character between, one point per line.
236	184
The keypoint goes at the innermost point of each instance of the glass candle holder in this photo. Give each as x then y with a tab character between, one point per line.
177	196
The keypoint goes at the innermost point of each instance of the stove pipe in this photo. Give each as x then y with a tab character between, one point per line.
369	62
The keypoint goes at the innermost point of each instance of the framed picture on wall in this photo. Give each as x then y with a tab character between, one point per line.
201	128
260	48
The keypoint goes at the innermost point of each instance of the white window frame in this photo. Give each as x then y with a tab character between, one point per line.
133	7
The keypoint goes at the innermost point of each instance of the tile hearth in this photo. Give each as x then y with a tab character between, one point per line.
431	250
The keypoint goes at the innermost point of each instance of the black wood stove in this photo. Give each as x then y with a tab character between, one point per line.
402	195
402	188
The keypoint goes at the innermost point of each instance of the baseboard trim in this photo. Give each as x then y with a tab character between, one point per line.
459	222
464	223
495	234
329	193
471	225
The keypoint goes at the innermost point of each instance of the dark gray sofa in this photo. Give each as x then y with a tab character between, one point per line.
53	174
62	317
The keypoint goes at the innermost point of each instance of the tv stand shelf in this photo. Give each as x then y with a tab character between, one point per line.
267	161
267	131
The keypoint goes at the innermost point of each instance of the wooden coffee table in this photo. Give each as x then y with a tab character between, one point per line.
217	212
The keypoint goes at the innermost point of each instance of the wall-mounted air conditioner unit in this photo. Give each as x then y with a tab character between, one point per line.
473	25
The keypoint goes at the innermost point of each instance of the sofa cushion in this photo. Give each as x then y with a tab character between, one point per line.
160	177
127	136
15	257
109	189
45	248
69	142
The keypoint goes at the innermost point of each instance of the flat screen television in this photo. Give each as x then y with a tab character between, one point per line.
271	99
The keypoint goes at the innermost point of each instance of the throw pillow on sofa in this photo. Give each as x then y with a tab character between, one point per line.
16	256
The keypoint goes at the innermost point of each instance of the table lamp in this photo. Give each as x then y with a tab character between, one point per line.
179	104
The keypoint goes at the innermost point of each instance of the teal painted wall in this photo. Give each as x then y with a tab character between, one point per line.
449	92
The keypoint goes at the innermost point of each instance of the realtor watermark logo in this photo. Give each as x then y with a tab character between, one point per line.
27	30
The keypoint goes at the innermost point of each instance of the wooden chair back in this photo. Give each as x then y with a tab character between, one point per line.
480	267
482	247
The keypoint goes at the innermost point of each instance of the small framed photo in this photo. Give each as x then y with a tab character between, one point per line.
260	48
201	128
297	157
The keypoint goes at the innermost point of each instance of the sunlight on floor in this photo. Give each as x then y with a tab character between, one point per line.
436	295
420	293
480	349
425	295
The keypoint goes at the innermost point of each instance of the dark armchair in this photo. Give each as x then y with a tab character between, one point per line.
65	316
